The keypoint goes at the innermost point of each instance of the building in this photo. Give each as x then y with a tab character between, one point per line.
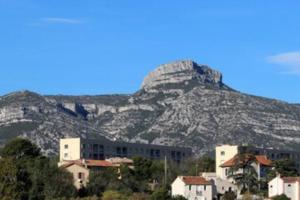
260	163
100	149
193	188
220	186
290	186
80	169
226	152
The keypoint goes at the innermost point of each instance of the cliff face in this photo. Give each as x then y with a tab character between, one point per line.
181	103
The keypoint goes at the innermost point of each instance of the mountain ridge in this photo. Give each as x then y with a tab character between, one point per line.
189	107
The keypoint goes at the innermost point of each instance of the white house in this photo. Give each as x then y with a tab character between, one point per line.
290	186
220	186
193	188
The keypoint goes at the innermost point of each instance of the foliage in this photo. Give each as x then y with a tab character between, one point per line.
20	148
113	195
281	197
247	196
139	196
14	182
26	175
229	195
160	194
285	167
247	180
179	197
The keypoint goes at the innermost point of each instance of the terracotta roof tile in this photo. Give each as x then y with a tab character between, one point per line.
89	163
261	159
195	180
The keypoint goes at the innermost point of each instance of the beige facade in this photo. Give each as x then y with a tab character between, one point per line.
80	175
224	153
69	149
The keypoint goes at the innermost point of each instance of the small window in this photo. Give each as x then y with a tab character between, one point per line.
66	146
271	186
80	175
222	153
222	188
289	185
66	155
204	187
190	187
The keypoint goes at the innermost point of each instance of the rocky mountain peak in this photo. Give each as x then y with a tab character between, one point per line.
182	72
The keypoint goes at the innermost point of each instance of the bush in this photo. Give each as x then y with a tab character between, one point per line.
281	197
113	195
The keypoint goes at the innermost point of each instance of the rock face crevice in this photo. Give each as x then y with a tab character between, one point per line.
181	103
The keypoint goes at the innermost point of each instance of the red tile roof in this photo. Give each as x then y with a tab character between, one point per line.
88	163
291	179
195	180
261	159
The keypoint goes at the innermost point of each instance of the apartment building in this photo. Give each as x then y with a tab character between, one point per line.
100	149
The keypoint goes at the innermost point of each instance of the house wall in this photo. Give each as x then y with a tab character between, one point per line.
291	190
178	187
69	149
199	192
75	170
275	187
224	153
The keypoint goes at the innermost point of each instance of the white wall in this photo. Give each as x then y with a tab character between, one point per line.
178	187
275	187
291	190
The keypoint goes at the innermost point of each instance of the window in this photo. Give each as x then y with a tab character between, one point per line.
204	187
66	146
190	187
81	175
66	155
289	185
222	153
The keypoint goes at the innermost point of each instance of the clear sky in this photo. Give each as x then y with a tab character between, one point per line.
108	46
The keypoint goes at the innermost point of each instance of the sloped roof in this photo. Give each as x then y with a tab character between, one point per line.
195	180
88	163
261	159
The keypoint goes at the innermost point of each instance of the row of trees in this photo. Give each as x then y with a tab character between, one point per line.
25	174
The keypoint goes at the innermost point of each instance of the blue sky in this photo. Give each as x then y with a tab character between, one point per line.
101	47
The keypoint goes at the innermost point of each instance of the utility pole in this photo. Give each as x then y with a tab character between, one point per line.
165	171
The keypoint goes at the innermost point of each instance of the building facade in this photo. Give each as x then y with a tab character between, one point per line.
100	149
192	188
290	186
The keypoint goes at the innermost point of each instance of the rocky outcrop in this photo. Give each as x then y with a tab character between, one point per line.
181	103
182	72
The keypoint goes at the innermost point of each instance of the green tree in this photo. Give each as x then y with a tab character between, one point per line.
285	167
14	182
244	173
281	197
160	194
20	148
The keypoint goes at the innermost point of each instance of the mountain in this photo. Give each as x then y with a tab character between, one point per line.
181	103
